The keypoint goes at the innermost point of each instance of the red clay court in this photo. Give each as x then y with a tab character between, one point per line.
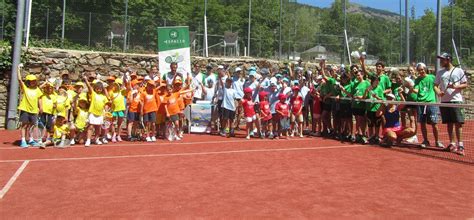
214	177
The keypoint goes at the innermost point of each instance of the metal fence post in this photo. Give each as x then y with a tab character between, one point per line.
89	36
47	24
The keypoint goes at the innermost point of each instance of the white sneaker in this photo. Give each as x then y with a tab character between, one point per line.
153	138
181	134
301	136
98	142
104	141
108	136
72	142
88	143
412	140
248	137
170	138
177	138
148	139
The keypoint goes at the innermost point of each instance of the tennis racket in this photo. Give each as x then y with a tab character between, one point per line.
38	131
107	120
454	82
170	134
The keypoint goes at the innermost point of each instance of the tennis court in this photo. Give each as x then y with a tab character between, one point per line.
215	177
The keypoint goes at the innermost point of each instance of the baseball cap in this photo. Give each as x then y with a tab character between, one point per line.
147	78
296	82
252	69
151	82
264	71
31	77
390	95
208	66
295	88
281	96
285	80
111	78
81	84
119	81
248	90
252	73
238	69
278	75
262	94
220	67
445	56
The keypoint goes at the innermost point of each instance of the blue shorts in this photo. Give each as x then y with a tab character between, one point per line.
428	114
133	116
149	117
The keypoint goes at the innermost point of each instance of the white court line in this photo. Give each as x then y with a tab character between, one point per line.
188	154
131	144
13	179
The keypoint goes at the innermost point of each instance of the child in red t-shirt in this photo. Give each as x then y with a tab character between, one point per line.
265	115
249	111
296	103
283	113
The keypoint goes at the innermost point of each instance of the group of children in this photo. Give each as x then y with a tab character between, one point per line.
274	103
94	112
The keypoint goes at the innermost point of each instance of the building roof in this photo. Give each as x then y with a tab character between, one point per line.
316	49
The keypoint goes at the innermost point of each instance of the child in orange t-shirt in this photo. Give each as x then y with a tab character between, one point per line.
161	113
173	107
133	104
148	110
171	103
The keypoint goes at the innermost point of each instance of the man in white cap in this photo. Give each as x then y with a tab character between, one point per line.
450	81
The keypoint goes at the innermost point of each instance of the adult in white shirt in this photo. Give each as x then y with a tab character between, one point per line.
238	81
450	81
210	75
196	83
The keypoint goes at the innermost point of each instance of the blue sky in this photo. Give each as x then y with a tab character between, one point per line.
390	5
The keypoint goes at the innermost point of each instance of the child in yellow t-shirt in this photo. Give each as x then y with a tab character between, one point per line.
63	103
29	107
98	98
60	132
117	94
79	128
47	106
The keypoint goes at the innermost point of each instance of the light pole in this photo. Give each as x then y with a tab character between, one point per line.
407	30
13	96
62	24
125	27
250	16
401	34
205	51
438	33
279	42
3	19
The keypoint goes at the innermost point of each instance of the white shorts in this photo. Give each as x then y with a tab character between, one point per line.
96	120
251	119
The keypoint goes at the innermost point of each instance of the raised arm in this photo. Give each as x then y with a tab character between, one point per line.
20	80
89	87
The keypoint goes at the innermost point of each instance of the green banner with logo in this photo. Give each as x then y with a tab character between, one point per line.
170	38
173	47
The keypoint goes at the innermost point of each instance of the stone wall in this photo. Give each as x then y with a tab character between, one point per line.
53	62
